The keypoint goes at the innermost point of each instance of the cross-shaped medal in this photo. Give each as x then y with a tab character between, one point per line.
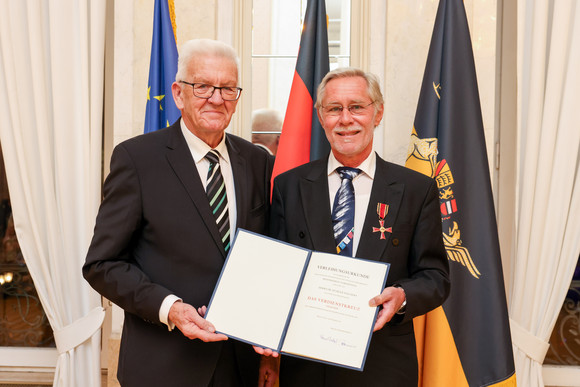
382	210
382	229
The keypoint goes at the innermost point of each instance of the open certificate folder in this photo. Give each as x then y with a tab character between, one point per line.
297	302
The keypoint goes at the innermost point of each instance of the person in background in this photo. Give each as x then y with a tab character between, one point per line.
172	203
356	204
266	120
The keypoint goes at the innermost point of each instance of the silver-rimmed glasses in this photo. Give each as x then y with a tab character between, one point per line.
355	109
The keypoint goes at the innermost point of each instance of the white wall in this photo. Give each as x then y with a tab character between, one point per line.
400	32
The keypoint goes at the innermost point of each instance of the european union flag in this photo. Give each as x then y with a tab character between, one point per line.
161	110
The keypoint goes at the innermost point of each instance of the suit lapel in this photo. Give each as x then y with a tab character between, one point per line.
241	178
387	191
182	163
316	207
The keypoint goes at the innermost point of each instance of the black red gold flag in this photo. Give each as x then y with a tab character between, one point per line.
467	341
302	139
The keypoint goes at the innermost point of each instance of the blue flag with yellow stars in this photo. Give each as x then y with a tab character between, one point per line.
161	111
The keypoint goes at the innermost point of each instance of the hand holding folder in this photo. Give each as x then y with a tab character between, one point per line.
307	304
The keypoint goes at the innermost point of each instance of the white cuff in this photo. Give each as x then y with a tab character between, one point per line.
164	310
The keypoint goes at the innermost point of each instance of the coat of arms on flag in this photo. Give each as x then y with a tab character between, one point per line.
448	137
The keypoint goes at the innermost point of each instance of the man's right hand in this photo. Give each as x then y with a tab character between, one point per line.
191	324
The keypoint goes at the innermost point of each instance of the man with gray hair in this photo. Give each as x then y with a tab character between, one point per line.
172	203
266	129
356	204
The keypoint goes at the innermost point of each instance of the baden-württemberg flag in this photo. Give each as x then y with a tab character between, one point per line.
161	110
466	342
302	139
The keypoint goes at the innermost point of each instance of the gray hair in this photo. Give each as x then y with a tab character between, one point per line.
208	47
373	89
266	120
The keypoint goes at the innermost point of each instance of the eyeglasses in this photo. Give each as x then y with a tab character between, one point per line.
354	109
201	90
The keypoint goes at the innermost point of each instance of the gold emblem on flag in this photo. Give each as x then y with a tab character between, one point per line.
444	177
445	194
422	157
422	154
437	87
458	253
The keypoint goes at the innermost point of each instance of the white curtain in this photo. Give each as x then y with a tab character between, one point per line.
548	189
51	97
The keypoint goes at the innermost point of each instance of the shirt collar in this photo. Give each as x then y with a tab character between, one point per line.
368	166
199	148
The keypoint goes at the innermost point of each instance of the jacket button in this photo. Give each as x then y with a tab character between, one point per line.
395	242
301	234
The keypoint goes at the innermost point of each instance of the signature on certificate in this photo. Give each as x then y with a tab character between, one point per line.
336	341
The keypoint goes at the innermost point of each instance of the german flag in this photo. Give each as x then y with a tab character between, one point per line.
161	110
302	138
466	342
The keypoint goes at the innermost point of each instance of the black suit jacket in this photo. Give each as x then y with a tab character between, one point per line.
155	236
301	215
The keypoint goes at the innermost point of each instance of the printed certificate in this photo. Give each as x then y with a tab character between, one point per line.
297	302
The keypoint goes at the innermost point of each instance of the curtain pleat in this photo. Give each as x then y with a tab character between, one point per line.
51	103
548	187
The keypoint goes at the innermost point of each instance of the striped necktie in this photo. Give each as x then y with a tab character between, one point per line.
218	200
343	211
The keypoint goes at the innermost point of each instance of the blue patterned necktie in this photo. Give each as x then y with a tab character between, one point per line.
218	200
343	211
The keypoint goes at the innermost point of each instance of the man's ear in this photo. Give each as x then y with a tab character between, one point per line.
320	118
177	95
379	115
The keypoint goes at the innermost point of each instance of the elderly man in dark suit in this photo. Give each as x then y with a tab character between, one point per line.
172	202
354	201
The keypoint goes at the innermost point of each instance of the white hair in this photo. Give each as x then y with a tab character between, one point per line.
208	47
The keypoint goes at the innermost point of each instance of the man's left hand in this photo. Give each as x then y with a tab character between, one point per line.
391	300
265	351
